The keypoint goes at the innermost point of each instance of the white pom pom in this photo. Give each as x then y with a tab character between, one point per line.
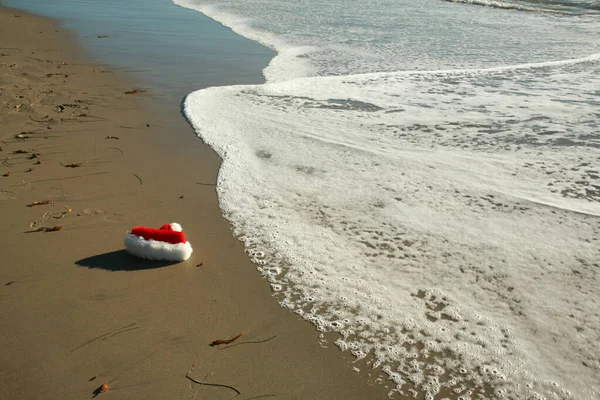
176	227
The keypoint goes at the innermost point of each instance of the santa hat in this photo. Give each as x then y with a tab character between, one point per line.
166	243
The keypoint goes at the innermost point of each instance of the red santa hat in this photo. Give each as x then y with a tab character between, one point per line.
166	243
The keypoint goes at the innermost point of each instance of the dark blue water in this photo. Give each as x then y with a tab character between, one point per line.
169	50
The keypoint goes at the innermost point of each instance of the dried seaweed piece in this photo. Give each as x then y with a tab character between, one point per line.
7	174
39	203
225	341
20	152
33	155
135	91
112	137
210	384
76	165
29	170
46	229
41	119
249	342
63	214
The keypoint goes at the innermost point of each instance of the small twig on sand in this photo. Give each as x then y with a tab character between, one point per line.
46	229
206	184
76	165
41	122
140	179
209	384
123	331
69	177
203	381
111	333
92	116
62	215
249	342
135	91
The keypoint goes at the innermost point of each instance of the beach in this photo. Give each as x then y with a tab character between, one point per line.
399	200
76	310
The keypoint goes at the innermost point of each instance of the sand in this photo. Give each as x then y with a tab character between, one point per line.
75	309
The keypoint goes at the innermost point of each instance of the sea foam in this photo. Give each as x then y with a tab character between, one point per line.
445	223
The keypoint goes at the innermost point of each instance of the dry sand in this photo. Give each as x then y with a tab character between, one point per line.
75	309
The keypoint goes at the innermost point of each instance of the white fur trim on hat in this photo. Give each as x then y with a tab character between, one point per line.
176	227
155	250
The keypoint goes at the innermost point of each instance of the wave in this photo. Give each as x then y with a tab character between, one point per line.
328	42
411	210
548	6
577	4
592	58
289	62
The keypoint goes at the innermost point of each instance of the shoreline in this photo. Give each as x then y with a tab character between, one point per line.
187	51
77	310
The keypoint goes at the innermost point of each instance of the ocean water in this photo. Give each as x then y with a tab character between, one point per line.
168	49
423	177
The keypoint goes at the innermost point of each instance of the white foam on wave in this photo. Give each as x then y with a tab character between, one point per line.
444	223
343	37
506	6
565	7
289	62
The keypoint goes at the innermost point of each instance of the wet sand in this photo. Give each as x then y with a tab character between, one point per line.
75	309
